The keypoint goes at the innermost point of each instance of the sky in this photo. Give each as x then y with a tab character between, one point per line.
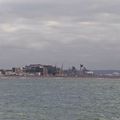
68	32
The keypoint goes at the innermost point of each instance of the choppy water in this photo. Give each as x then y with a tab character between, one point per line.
59	99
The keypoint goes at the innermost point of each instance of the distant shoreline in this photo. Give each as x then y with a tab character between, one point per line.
54	77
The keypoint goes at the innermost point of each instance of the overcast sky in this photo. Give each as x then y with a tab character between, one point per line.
68	32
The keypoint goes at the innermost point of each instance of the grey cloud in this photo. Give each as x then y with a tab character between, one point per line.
64	32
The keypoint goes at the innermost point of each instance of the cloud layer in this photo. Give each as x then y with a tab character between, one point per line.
60	32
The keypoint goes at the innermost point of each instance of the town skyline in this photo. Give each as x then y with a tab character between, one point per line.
63	66
40	70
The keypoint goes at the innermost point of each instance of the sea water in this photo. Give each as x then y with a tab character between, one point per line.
59	99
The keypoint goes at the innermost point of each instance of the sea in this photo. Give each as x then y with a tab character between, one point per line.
59	99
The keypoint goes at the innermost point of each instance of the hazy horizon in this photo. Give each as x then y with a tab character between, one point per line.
69	32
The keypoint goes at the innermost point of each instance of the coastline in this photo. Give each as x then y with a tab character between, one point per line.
62	77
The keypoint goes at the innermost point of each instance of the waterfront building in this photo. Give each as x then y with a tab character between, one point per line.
42	70
9	73
37	69
17	71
